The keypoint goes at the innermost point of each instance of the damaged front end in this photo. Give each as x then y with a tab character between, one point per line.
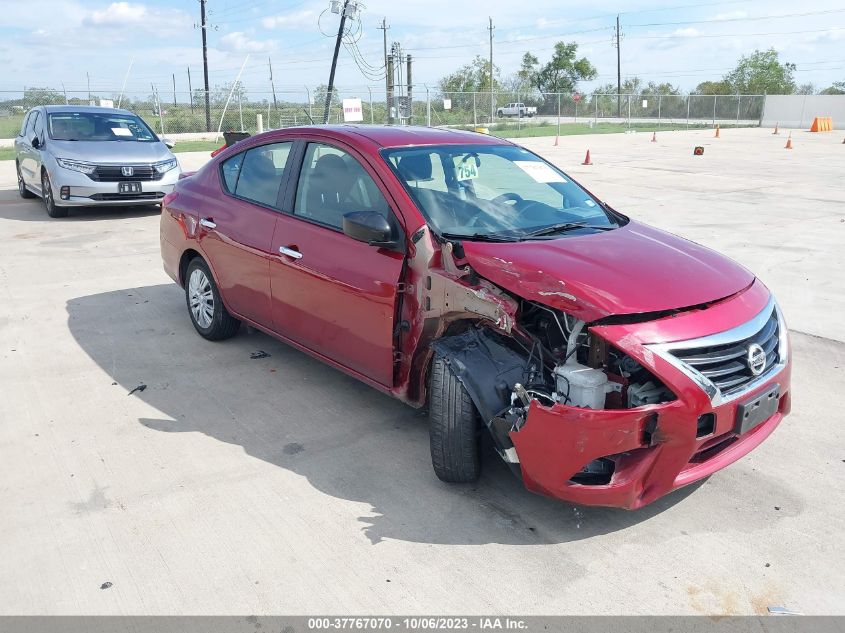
592	414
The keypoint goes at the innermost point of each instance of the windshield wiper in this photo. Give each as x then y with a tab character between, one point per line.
480	237
563	227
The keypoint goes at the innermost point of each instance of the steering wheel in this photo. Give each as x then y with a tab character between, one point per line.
508	197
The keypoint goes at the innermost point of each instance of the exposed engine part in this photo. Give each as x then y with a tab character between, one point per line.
581	386
570	365
648	393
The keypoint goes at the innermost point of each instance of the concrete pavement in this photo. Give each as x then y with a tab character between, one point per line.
278	485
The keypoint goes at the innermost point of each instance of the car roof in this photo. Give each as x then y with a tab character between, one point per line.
52	109
396	136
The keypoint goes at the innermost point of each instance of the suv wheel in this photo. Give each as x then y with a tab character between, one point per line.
208	314
53	210
454	430
22	190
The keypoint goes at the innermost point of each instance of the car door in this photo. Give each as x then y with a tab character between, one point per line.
236	228
26	153
331	293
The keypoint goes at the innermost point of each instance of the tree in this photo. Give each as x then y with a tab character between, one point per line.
761	73
42	96
806	89
712	88
472	77
838	88
654	89
563	71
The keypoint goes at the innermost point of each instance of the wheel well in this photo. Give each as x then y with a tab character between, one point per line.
187	257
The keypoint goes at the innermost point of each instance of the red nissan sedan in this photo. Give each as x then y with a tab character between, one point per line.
611	362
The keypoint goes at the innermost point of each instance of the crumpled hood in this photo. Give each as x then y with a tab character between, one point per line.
629	270
110	152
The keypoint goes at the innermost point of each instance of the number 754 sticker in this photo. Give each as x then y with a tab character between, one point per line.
467	170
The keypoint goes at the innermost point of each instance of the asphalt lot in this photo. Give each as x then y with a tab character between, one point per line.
280	486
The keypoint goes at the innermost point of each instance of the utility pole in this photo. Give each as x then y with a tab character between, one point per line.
390	89
385	28
88	78
174	90
410	93
272	87
204	27
190	90
492	102
618	44
330	90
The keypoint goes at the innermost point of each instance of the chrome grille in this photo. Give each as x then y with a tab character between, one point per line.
727	365
113	173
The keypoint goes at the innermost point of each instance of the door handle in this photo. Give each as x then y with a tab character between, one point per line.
290	252
208	223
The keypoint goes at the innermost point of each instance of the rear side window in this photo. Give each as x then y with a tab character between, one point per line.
257	173
231	169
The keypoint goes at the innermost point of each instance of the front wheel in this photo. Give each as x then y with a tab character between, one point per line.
208	314
454	431
22	190
53	210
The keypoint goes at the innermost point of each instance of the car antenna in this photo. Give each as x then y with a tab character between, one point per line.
308	115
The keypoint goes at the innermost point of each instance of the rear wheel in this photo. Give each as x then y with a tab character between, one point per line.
22	190
53	210
454	430
208	314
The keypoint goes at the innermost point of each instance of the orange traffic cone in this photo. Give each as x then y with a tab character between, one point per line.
776	128
789	141
717	130
654	137
587	160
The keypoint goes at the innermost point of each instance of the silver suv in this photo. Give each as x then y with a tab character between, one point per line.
80	156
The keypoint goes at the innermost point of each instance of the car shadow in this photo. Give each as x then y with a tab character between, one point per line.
13	207
347	439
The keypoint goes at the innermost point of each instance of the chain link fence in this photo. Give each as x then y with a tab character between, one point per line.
183	115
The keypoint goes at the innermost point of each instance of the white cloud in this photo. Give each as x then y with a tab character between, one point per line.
731	15
240	42
137	16
687	32
290	20
118	14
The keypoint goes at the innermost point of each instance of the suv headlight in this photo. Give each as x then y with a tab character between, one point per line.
165	166
76	165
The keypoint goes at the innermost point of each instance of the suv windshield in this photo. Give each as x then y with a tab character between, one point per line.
95	126
495	192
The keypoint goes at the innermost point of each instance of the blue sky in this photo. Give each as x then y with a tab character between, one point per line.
50	42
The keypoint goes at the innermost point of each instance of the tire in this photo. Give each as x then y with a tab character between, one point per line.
208	314
22	190
49	199
454	430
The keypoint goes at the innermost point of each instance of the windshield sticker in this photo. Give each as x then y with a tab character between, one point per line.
589	203
121	131
540	172
467	170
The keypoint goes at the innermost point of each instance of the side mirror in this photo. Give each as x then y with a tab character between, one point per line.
168	143
35	142
370	227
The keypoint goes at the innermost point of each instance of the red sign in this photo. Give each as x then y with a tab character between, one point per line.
576	97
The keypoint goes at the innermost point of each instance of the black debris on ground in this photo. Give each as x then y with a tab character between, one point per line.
105	585
139	388
259	354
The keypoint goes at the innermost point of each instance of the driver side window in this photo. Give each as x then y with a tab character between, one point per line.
333	183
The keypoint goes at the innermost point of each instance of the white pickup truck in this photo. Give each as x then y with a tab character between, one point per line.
516	109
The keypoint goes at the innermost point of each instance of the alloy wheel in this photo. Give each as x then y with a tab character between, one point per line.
201	298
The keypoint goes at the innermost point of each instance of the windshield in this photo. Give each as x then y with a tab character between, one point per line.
95	126
495	191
